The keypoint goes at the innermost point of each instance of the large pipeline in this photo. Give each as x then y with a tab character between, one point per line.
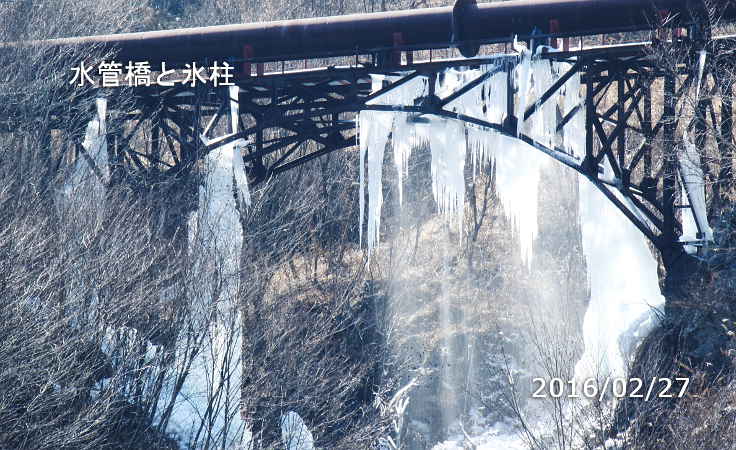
419	29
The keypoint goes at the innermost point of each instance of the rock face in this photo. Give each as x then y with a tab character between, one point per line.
695	341
695	311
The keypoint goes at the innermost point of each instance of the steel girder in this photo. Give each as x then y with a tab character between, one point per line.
289	119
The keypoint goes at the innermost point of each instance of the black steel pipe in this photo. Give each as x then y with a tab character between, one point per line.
419	28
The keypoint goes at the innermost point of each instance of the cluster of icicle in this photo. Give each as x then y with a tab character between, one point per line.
622	277
451	140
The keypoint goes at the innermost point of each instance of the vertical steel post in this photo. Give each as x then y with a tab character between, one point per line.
647	128
725	175
592	169
621	114
669	157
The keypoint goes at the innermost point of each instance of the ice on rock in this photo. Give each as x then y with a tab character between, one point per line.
294	433
702	58
624	286
523	83
405	136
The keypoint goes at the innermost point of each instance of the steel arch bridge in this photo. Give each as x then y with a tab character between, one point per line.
632	112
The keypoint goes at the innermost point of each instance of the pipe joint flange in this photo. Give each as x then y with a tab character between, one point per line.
460	12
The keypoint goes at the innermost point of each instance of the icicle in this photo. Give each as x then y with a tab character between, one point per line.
518	167
622	308
404	136
375	127
219	220
701	68
241	180
544	121
402	141
471	102
234	94
84	192
447	143
523	79
402	95
477	103
362	127
216	240
496	107
483	142
95	146
518	163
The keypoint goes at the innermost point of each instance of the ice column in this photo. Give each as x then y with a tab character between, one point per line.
91	173
212	388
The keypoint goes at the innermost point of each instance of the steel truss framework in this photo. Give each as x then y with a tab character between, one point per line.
291	118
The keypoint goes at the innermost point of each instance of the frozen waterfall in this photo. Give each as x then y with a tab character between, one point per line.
624	287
